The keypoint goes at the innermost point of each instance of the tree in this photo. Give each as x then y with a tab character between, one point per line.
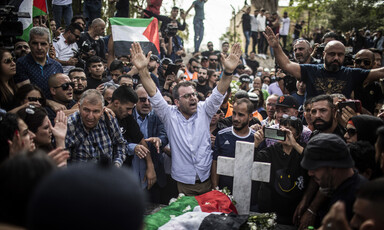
347	15
270	5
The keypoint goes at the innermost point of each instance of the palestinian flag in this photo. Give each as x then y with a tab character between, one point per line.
125	31
194	212
34	8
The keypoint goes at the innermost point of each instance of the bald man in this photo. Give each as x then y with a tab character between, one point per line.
330	77
369	94
92	38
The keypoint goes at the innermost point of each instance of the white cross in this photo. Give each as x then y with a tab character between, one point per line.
244	170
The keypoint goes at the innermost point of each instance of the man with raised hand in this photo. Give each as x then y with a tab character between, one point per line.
330	77
187	123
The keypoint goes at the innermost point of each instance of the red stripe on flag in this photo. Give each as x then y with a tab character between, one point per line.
152	33
41	4
215	201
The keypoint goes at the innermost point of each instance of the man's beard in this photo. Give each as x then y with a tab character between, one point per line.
78	92
151	68
201	80
242	125
322	127
212	66
333	66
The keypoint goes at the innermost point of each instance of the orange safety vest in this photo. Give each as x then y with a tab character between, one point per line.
194	76
229	110
257	115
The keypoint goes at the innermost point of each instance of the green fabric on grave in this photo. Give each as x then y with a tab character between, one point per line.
156	220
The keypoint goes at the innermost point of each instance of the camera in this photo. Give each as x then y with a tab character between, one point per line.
10	27
171	30
275	134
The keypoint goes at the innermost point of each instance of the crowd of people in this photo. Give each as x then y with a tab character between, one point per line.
87	137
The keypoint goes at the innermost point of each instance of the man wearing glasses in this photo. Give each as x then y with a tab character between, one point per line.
369	94
187	123
65	45
61	88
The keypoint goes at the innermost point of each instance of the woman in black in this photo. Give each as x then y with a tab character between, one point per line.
287	179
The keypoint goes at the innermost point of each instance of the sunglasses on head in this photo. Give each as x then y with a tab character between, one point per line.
351	132
9	60
39	99
143	99
286	116
359	61
66	85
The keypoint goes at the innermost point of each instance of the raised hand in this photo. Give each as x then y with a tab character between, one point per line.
60	129
137	56
273	40
231	62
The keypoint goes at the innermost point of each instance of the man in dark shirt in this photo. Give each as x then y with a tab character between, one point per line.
95	72
330	77
61	88
297	30
246	23
202	77
166	20
37	66
123	102
324	116
329	162
92	38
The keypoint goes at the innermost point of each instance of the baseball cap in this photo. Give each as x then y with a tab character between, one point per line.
244	78
155	58
253	96
326	150
288	101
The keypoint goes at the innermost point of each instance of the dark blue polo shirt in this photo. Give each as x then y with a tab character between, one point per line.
28	68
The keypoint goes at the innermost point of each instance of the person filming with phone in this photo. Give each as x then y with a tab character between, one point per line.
288	179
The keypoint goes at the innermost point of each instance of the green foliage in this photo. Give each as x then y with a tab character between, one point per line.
341	15
230	37
346	14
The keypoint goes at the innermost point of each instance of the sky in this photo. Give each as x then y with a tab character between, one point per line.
218	14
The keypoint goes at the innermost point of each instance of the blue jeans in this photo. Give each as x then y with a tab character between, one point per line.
64	11
247	35
198	25
92	10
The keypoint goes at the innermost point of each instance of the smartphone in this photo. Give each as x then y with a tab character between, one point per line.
172	69
353	104
275	134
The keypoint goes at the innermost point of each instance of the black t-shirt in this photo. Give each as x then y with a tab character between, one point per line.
288	181
346	192
92	83
253	64
131	133
97	45
321	81
202	88
297	30
246	22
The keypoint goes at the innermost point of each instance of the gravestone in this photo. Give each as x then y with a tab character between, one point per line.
244	170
